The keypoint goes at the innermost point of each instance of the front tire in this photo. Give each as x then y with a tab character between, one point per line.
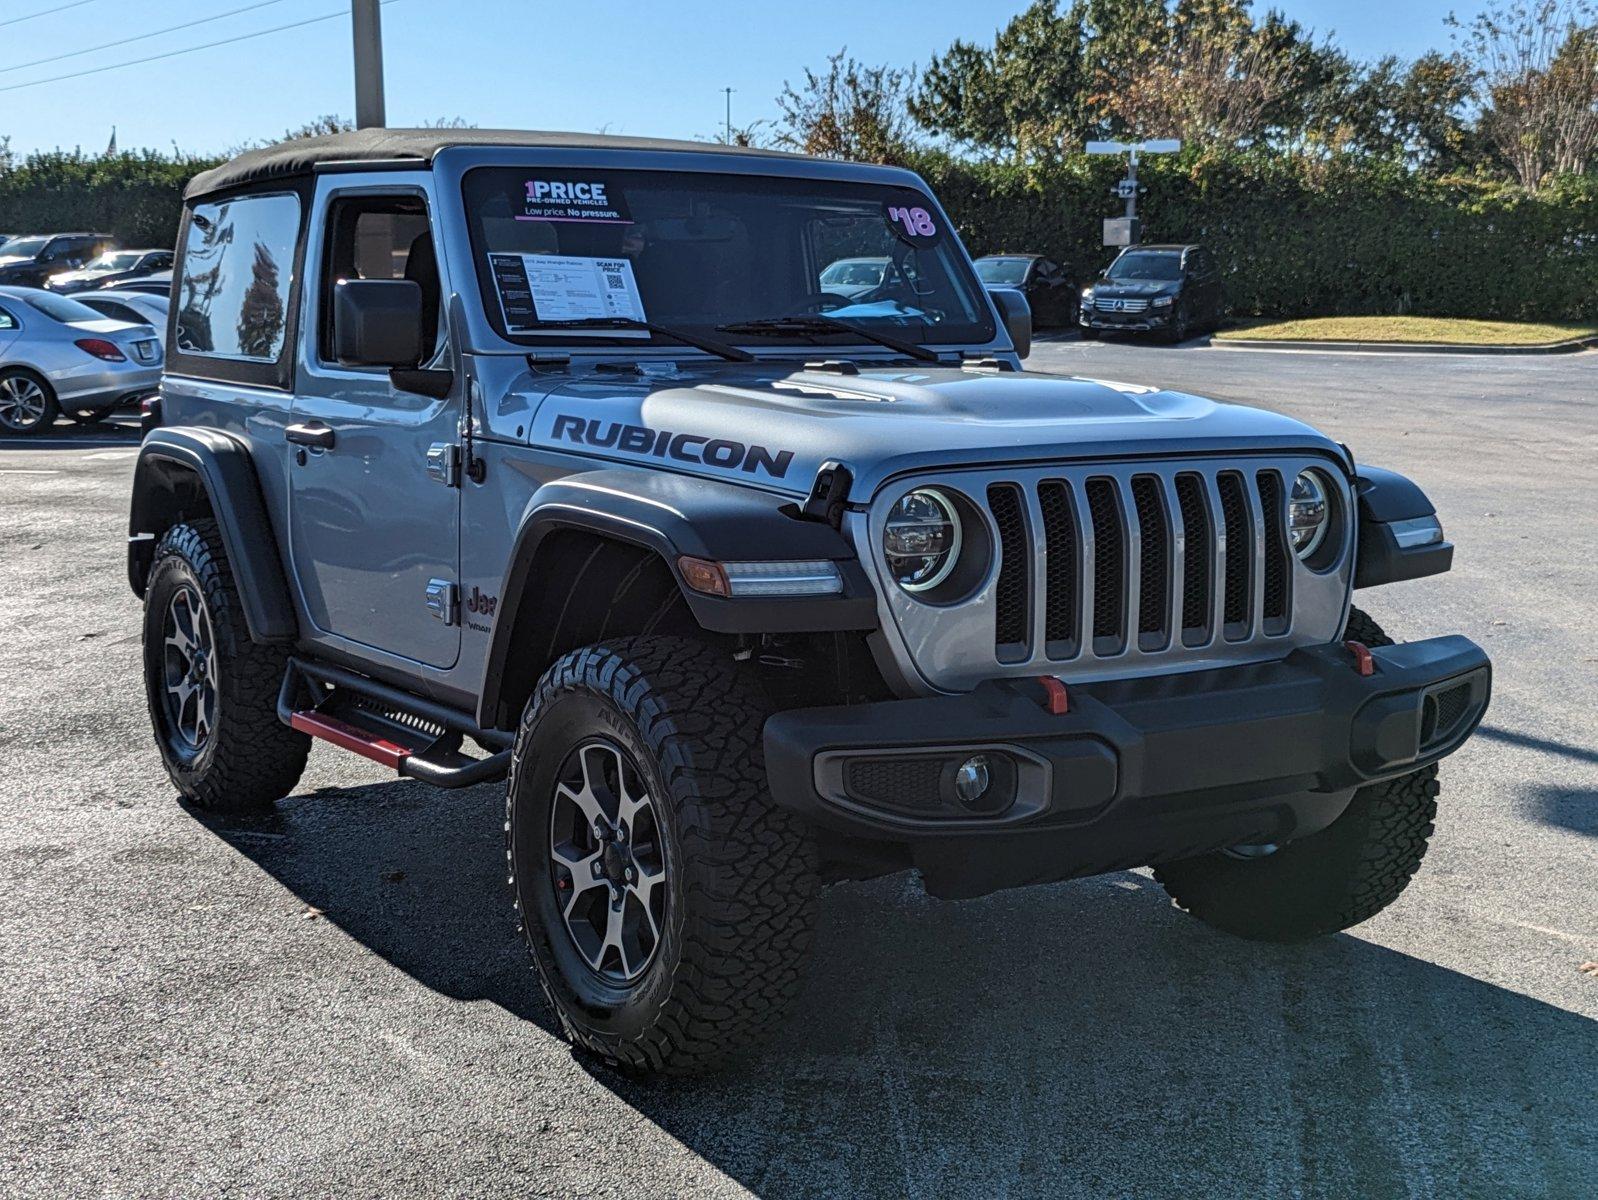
667	904
212	692
1329	881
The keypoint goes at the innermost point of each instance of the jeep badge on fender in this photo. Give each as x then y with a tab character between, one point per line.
775	579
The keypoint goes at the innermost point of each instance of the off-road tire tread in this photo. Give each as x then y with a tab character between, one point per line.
1385	830
750	868
257	759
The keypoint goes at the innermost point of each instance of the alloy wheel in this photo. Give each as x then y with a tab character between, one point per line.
189	669
608	861
22	403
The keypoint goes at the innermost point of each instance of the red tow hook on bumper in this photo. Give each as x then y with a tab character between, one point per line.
1363	662
1055	698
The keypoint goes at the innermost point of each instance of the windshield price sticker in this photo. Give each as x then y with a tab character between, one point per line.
534	288
587	200
913	223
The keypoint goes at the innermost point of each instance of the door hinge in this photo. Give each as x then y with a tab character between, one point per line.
444	463
444	601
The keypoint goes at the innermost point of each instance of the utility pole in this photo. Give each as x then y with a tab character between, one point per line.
729	91
367	26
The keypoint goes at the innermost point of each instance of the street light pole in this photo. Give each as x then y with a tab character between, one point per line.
729	92
366	25
1124	231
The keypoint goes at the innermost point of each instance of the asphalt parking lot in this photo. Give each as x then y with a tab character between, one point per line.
332	1001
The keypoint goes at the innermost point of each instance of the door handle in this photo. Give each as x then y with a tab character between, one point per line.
315	434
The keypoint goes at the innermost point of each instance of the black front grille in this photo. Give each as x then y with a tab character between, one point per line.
1154	558
1239	547
1060	542
1278	566
1198	555
1010	628
1109	564
1080	534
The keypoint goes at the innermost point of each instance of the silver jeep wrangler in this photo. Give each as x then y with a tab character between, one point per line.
552	458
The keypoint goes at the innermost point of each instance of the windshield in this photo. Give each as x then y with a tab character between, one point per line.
114	260
1146	266
59	308
24	247
1001	270
694	251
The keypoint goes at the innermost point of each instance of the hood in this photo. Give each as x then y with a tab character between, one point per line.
773	426
79	274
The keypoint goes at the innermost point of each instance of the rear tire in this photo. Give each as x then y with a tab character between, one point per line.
1345	874
212	692
27	402
731	878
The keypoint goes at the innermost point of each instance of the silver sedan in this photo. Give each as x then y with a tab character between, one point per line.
58	356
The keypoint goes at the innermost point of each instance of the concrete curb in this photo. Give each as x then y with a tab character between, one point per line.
1566	347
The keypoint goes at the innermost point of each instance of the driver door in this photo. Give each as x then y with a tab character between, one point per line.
374	535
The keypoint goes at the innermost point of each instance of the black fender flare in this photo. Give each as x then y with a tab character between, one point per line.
225	472
1383	499
676	515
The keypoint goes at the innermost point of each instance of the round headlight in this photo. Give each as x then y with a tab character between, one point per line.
1308	513
921	540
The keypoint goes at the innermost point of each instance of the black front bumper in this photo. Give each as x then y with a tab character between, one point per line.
1137	771
1144	322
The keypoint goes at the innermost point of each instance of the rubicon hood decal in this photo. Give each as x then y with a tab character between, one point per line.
724	453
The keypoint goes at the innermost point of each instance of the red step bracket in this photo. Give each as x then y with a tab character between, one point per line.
348	737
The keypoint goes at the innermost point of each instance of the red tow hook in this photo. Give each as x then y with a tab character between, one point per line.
1363	662
1055	698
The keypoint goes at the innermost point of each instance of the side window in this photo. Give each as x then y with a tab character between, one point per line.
238	263
378	237
7	321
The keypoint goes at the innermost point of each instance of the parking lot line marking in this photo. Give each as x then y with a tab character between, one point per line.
104	454
28	471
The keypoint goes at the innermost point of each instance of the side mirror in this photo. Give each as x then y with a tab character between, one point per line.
377	322
1017	316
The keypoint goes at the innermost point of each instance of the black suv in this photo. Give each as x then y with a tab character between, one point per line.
28	261
1171	290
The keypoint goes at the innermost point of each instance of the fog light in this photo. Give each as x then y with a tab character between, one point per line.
972	780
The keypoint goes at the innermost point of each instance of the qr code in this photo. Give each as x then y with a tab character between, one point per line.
616	283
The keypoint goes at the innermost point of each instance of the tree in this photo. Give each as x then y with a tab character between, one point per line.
1202	70
850	110
1028	94
1535	71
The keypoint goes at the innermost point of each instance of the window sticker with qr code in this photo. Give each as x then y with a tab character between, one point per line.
538	288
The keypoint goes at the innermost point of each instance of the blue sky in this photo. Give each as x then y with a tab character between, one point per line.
629	66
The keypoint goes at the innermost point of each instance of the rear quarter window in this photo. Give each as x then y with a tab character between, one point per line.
238	265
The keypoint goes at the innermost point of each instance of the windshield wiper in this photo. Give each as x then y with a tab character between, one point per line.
819	323
708	345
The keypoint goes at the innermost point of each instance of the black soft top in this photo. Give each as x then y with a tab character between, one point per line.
301	156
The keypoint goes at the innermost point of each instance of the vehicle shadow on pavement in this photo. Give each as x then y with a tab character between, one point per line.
1080	1039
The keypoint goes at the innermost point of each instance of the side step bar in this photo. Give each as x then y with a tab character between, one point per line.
418	738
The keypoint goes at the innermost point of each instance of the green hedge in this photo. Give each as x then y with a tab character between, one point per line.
1297	237
137	197
1301	238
